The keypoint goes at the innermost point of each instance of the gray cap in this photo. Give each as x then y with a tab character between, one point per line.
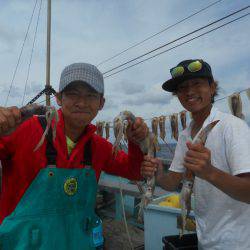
84	72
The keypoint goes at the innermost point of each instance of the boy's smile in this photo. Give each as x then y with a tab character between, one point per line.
80	104
195	94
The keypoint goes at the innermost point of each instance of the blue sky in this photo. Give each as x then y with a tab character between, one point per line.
91	31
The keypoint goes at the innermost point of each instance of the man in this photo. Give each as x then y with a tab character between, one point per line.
221	166
48	196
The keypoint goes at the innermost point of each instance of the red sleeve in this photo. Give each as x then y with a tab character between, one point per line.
124	165
7	146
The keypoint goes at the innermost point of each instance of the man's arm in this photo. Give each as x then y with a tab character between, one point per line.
124	165
168	181
198	159
9	121
128	165
237	187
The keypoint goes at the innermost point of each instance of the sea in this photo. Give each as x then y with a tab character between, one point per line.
165	151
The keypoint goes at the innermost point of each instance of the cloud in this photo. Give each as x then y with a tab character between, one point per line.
15	90
34	88
109	103
128	87
97	30
155	96
7	35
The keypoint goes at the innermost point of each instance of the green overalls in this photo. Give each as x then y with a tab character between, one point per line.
56	211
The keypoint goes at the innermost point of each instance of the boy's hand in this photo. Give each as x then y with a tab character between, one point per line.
150	166
137	131
198	159
10	118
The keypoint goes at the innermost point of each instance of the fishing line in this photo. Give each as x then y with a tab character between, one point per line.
174	47
19	58
218	27
177	39
148	38
32	50
123	206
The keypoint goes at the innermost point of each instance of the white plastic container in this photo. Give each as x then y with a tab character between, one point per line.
160	221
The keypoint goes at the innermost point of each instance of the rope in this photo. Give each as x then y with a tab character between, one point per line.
19	58
168	27
174	47
167	116
32	50
175	40
123	209
124	216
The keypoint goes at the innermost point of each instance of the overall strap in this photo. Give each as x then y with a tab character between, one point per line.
50	149
87	159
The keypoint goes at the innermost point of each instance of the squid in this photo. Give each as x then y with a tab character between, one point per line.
183	119
147	146
162	126
100	127
174	126
235	105
248	93
188	181
107	128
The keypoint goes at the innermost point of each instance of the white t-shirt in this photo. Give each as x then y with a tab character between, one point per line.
222	222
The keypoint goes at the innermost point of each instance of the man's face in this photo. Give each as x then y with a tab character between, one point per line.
80	104
195	94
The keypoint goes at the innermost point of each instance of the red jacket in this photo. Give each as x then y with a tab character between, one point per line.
21	164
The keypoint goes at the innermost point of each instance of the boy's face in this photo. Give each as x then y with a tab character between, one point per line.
195	94
80	104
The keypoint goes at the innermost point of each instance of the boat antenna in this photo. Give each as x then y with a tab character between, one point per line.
47	86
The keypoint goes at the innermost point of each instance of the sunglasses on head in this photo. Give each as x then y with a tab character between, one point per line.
192	67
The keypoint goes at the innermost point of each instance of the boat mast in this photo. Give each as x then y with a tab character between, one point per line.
48	52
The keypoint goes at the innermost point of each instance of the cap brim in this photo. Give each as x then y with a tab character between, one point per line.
70	84
171	85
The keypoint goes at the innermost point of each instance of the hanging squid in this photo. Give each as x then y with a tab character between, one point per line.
100	128
147	146
162	126
125	132
183	119
107	128
235	105
174	126
248	93
188	180
154	126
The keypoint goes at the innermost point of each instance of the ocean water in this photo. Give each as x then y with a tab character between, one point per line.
166	151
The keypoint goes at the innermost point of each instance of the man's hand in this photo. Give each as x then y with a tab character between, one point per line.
137	131
10	118
150	166
198	160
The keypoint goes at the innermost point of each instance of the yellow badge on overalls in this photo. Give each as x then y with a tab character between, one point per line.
70	186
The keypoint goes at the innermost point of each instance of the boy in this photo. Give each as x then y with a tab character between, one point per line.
221	166
48	196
